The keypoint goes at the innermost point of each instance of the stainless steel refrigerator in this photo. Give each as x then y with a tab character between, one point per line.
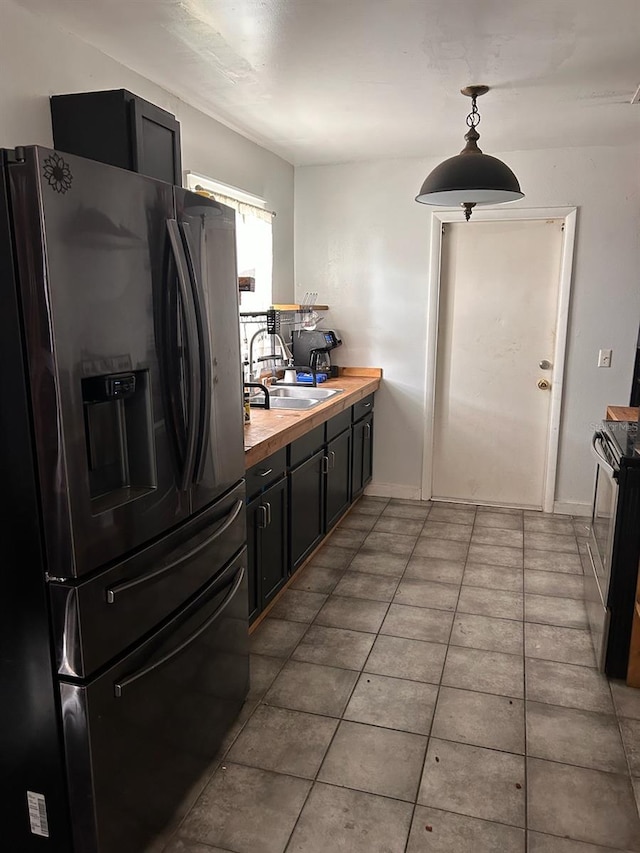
123	598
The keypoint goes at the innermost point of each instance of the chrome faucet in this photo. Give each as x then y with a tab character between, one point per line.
286	356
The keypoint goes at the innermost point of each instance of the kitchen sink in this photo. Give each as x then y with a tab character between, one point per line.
292	402
302	392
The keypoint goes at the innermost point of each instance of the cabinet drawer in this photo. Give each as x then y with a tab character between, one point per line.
266	472
359	410
338	424
306	446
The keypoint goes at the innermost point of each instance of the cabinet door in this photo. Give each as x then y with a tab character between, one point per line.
362	457
274	563
306	507
254	516
338	478
155	142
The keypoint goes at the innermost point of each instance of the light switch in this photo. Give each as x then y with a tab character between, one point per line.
604	358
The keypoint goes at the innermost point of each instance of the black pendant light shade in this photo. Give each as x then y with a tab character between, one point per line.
471	177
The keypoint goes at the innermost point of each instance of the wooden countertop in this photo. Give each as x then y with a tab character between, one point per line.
622	413
270	430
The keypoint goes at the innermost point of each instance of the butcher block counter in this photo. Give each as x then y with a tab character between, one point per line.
272	429
622	413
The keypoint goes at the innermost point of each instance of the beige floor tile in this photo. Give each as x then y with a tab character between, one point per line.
585	805
353	821
436	831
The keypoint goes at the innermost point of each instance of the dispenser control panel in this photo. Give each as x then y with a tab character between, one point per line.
103	388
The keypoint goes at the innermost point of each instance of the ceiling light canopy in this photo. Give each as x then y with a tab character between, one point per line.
471	177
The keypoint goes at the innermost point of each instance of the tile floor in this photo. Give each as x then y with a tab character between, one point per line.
427	685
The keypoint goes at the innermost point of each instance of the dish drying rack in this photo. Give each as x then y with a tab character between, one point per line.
279	321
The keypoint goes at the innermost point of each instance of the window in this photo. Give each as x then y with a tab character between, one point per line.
254	238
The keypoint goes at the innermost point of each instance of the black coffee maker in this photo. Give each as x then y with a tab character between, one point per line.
311	349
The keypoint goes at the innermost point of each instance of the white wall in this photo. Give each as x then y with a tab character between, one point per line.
363	244
38	60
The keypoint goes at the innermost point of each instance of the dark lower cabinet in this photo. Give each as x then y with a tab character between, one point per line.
328	468
362	458
306	507
338	480
267	535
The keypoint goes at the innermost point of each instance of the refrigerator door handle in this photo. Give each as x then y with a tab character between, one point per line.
119	686
193	403
113	591
204	351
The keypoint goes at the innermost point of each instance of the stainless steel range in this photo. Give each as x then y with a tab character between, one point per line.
614	544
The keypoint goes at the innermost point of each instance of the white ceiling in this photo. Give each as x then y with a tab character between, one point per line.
322	81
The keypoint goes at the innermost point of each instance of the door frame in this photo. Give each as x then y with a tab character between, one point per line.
568	215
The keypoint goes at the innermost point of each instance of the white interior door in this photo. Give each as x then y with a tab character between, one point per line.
499	290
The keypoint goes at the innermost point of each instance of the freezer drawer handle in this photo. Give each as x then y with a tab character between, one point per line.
113	591
119	686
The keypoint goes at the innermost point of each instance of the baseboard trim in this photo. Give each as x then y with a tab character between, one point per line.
413	493
393	490
569	508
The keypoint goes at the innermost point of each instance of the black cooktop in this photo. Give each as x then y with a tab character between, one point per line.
625	438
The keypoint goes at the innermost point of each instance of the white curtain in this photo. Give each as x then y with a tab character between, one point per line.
254	241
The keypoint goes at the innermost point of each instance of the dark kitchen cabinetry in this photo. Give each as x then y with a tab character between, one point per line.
267	545
267	530
327	468
320	487
362	435
306	498
338	478
121	129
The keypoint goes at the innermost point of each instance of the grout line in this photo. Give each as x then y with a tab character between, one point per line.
627	752
341	719
437	699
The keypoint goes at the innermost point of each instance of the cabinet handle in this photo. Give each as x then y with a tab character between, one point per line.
268	507
263	521
367	430
266	473
367	405
333	459
325	464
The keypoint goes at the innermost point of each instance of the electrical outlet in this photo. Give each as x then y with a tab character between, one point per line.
604	358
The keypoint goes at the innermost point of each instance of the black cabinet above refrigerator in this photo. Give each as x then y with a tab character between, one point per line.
119	128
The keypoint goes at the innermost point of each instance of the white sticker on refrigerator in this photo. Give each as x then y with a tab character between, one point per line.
38	814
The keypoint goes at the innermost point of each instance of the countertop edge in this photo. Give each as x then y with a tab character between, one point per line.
300	423
622	413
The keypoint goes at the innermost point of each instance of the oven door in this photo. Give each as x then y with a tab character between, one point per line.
600	546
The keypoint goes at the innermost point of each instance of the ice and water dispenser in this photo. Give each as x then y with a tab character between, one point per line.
118	426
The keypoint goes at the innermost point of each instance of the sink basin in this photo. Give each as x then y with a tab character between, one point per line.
302	392
292	402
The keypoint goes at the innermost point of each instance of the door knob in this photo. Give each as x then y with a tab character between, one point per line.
545	365
544	384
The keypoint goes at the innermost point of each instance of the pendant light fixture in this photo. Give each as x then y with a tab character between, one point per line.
471	177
